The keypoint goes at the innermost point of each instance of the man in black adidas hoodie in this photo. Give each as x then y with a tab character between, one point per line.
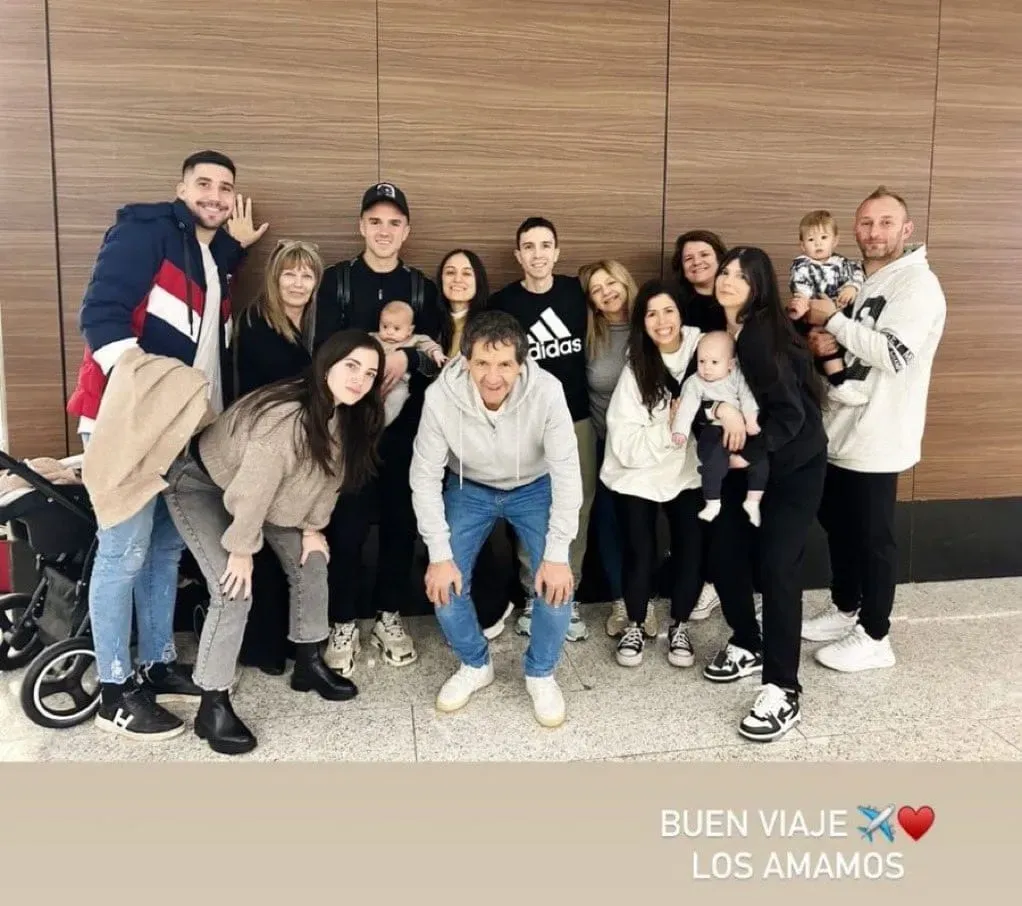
552	309
351	295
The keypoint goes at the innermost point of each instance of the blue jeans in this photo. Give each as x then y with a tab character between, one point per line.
608	531
472	511
140	555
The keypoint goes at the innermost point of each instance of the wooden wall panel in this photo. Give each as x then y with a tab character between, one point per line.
527	108
789	107
32	387
975	425
287	89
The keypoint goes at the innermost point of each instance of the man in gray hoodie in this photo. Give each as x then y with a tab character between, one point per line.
497	440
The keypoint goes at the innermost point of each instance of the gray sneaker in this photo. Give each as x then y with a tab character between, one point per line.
577	629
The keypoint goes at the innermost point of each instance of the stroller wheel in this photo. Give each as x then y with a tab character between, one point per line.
18	640
61	686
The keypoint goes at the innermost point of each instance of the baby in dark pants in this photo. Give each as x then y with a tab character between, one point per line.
719	379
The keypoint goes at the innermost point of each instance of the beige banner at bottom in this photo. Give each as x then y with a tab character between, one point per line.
785	833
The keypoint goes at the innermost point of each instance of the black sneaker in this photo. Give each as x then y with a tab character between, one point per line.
679	647
774	713
135	715
169	682
733	663
629	648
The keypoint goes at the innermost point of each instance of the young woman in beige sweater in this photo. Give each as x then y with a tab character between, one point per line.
270	470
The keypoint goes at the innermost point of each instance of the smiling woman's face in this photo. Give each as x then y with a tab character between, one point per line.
663	322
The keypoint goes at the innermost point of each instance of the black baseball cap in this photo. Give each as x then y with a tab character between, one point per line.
385	191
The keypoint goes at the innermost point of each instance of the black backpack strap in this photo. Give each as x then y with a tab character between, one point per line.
343	293
418	289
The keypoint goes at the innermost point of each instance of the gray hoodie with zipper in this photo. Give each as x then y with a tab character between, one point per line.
530	436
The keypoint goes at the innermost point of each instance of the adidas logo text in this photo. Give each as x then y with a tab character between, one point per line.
550	338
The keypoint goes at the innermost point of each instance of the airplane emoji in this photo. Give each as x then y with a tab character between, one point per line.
878	821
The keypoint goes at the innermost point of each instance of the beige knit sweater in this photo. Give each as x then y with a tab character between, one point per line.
263	480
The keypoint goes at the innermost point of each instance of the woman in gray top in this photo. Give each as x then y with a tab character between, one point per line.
610	291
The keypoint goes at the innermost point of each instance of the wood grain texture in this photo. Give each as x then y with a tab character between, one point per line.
287	89
33	387
521	109
786	107
975	243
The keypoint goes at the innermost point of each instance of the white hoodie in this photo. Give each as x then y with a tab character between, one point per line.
891	338
530	436
640	458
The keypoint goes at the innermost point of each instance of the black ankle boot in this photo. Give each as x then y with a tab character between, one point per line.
217	723
312	674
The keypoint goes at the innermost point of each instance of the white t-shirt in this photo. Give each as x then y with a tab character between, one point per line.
207	352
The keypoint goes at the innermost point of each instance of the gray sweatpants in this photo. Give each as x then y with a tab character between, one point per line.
196	505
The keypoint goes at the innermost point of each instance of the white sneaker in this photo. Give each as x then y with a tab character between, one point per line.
456	692
773	714
494	631
617	622
857	651
706	604
394	643
547	700
848	394
342	647
829	626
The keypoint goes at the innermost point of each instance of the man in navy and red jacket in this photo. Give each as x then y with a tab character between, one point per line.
162	283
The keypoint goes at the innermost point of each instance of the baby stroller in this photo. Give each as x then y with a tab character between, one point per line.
49	630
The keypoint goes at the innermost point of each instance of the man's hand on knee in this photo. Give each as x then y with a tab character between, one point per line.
554	582
440	578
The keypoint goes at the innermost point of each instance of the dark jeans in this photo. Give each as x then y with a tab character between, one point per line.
637	518
857	513
790	504
350	523
715	463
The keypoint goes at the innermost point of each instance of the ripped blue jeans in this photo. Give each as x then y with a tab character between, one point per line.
136	559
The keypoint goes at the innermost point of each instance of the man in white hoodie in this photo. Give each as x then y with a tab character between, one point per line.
891	334
496	440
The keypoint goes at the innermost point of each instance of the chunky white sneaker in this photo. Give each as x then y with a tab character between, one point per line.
394	643
617	622
774	713
460	687
577	629
828	626
857	651
706	604
650	625
342	647
523	625
494	631
547	700
629	648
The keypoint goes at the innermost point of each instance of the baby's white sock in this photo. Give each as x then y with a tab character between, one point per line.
752	508
710	512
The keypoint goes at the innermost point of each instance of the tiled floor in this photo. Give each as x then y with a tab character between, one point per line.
955	695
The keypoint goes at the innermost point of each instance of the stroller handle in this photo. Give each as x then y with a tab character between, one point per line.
47	488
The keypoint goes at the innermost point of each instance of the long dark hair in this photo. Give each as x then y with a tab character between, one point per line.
358	427
789	349
656	384
479	300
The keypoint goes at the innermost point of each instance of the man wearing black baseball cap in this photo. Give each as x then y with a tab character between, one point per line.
351	295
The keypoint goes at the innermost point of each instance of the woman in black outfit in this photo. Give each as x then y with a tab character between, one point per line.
779	370
273	342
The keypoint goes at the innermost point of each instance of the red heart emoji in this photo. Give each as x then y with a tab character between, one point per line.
915	822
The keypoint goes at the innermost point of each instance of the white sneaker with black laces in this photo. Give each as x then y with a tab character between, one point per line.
733	663
629	648
707	603
829	625
394	643
857	651
679	647
773	714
